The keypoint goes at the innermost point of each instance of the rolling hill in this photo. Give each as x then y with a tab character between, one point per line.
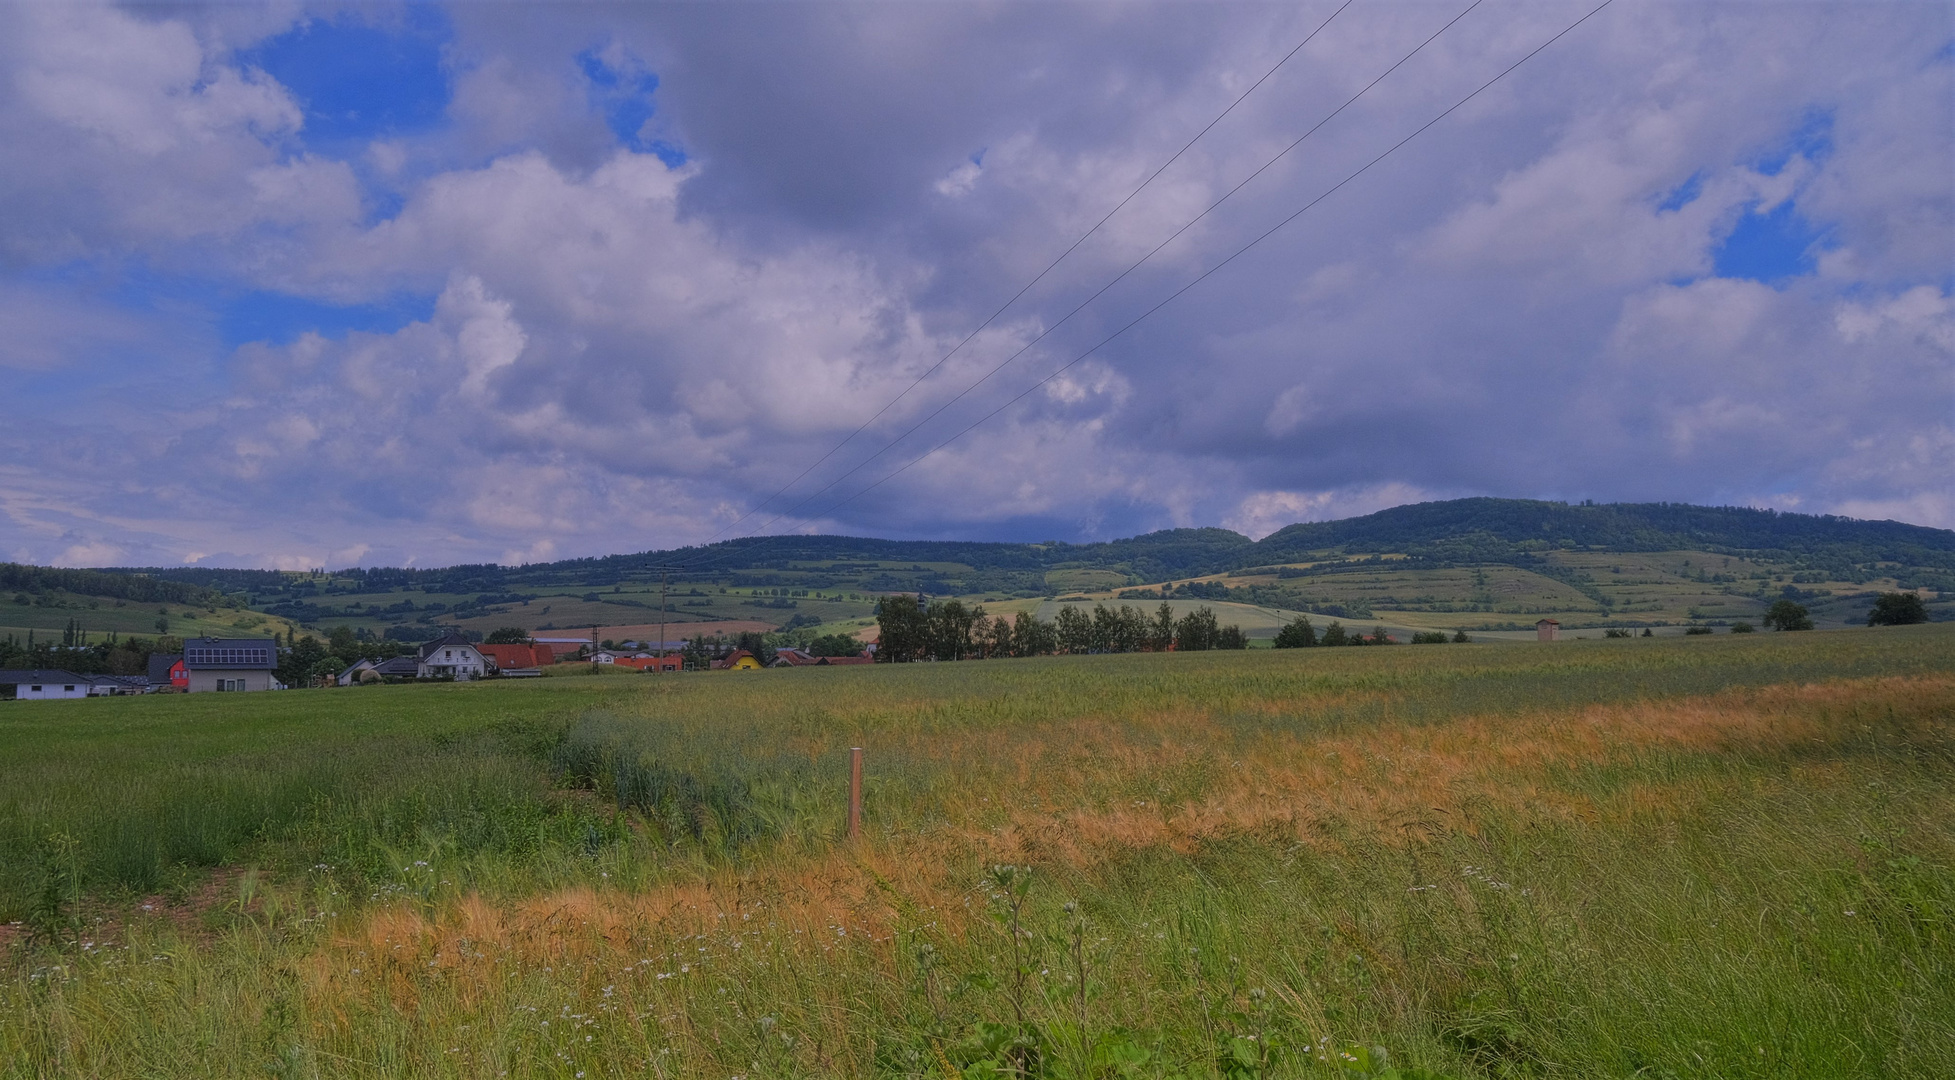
1491	565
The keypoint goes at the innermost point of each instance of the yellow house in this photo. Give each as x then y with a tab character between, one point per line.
741	660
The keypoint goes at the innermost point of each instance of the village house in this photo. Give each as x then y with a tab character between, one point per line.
561	647
230	664
358	672
49	684
451	657
738	660
400	667
510	659
42	684
655	664
1547	630
118	685
803	658
167	670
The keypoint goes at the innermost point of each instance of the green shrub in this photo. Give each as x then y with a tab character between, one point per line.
1897	609
1788	615
1297	634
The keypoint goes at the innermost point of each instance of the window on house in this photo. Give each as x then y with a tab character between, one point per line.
34	689
68	689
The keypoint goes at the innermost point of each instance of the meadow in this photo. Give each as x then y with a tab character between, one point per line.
101	616
1728	856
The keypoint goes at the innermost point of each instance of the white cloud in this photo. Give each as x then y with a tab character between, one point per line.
1264	512
959	181
622	354
141	85
1923	313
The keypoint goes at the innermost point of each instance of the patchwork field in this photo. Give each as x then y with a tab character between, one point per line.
101	616
1719	856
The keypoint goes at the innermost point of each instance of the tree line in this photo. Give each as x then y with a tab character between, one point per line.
1300	634
112	655
948	630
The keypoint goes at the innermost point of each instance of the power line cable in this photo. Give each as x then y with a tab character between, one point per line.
1088	234
1124	273
1271	231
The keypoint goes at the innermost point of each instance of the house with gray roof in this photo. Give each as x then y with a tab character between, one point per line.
48	684
42	684
400	667
230	664
452	657
166	669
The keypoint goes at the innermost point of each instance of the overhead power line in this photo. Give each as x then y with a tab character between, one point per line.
1204	275
1082	305
1002	308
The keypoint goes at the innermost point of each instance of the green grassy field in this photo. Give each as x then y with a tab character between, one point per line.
1719	856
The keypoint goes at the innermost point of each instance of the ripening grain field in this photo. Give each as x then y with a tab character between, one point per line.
1715	857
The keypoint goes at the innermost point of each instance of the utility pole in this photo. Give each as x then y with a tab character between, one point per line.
664	570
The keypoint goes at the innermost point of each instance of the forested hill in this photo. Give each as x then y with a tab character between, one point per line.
147	587
1496	530
1459	531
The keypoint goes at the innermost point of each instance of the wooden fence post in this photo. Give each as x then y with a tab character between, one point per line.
855	792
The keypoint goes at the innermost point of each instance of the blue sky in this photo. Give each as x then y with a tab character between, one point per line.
358	80
420	284
1773	246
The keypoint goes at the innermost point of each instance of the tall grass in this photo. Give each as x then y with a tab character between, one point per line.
1681	858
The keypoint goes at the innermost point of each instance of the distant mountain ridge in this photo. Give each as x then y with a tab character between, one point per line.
1457	531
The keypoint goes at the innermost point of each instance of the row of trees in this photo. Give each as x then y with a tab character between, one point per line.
1300	634
113	655
948	630
302	659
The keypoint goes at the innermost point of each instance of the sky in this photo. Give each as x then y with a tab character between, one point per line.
322	285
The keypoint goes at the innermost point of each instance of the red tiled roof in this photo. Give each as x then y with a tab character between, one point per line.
518	656
651	663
